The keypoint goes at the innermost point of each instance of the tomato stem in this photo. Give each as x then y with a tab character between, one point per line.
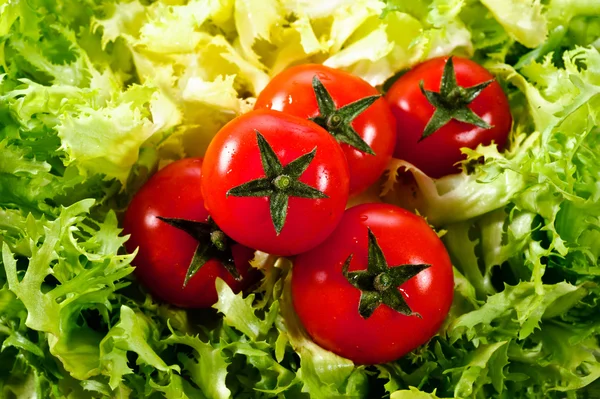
333	122
379	283
281	182
338	121
219	240
382	282
212	244
452	101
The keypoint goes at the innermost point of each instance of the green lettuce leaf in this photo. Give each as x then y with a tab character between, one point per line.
524	21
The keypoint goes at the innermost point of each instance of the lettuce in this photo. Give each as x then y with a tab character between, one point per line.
523	20
96	95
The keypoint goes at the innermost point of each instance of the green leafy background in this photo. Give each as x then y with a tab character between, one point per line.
96	95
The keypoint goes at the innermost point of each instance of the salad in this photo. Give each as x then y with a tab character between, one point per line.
363	255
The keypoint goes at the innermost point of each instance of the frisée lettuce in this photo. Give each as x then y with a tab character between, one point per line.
96	95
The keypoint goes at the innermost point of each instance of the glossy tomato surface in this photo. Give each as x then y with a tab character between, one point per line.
291	92
327	304
164	251
437	154
233	158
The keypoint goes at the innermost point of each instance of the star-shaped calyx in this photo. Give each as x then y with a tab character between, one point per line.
338	121
280	182
452	102
212	244
379	283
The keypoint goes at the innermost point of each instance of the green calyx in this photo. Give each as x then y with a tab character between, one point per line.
338	122
280	182
452	102
212	244
379	283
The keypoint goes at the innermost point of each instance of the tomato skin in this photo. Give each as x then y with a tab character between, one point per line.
327	304
437	154
165	252
291	92
233	158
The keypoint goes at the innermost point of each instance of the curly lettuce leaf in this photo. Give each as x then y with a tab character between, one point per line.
82	286
87	118
523	20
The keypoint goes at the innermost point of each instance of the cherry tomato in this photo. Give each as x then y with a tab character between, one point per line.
406	283
292	92
165	252
275	182
481	120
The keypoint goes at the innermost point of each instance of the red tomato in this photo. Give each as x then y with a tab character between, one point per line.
165	252
437	154
233	159
328	304
292	92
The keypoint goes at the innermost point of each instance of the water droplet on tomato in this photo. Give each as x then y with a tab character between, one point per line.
320	277
364	218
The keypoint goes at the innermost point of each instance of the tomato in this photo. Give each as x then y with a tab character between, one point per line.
367	129
433	144
165	252
275	182
396	258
